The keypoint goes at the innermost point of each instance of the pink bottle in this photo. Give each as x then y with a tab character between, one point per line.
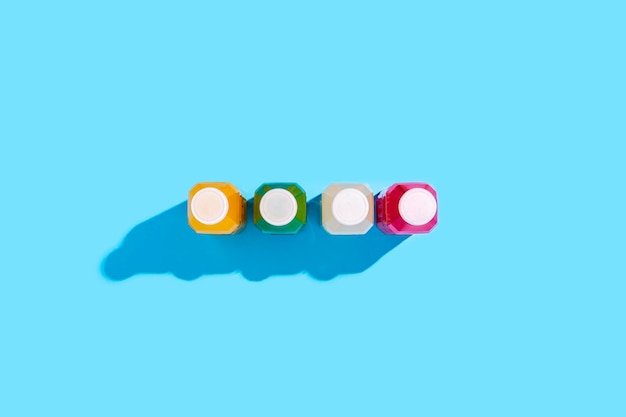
407	208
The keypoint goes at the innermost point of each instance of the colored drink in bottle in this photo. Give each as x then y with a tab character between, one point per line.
280	208
216	208
347	209
407	208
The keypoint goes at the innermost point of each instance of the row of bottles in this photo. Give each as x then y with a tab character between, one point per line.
347	208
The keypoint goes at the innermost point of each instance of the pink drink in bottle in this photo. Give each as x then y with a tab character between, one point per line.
407	208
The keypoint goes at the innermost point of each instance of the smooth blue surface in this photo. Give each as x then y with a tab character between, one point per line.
513	111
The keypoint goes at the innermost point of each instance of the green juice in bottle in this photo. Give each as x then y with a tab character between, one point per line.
280	208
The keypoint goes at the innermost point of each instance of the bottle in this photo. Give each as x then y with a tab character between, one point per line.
407	208
216	208
280	208
347	209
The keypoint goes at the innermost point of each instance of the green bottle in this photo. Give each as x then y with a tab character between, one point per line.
280	208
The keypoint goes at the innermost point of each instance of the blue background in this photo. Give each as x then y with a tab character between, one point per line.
514	111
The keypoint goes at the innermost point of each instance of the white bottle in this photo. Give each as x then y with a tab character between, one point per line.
347	209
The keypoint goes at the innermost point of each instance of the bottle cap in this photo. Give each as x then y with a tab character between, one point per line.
350	207
278	207
209	206
417	206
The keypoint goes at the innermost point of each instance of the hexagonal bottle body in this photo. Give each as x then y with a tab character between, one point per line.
347	209
280	208
216	208
407	208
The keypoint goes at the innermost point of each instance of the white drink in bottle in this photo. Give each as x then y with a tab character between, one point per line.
347	209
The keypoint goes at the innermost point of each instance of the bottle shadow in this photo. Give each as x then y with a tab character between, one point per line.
166	244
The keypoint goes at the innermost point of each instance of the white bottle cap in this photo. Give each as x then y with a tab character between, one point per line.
278	207
350	207
417	206
209	206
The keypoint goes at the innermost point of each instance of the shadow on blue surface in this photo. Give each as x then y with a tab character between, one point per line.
166	244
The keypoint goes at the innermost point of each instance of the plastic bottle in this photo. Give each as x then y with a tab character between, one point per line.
216	208
347	209
407	208
280	208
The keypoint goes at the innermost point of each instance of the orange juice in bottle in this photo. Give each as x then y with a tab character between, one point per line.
216	208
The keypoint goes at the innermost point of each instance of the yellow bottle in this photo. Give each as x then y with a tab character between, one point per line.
216	208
